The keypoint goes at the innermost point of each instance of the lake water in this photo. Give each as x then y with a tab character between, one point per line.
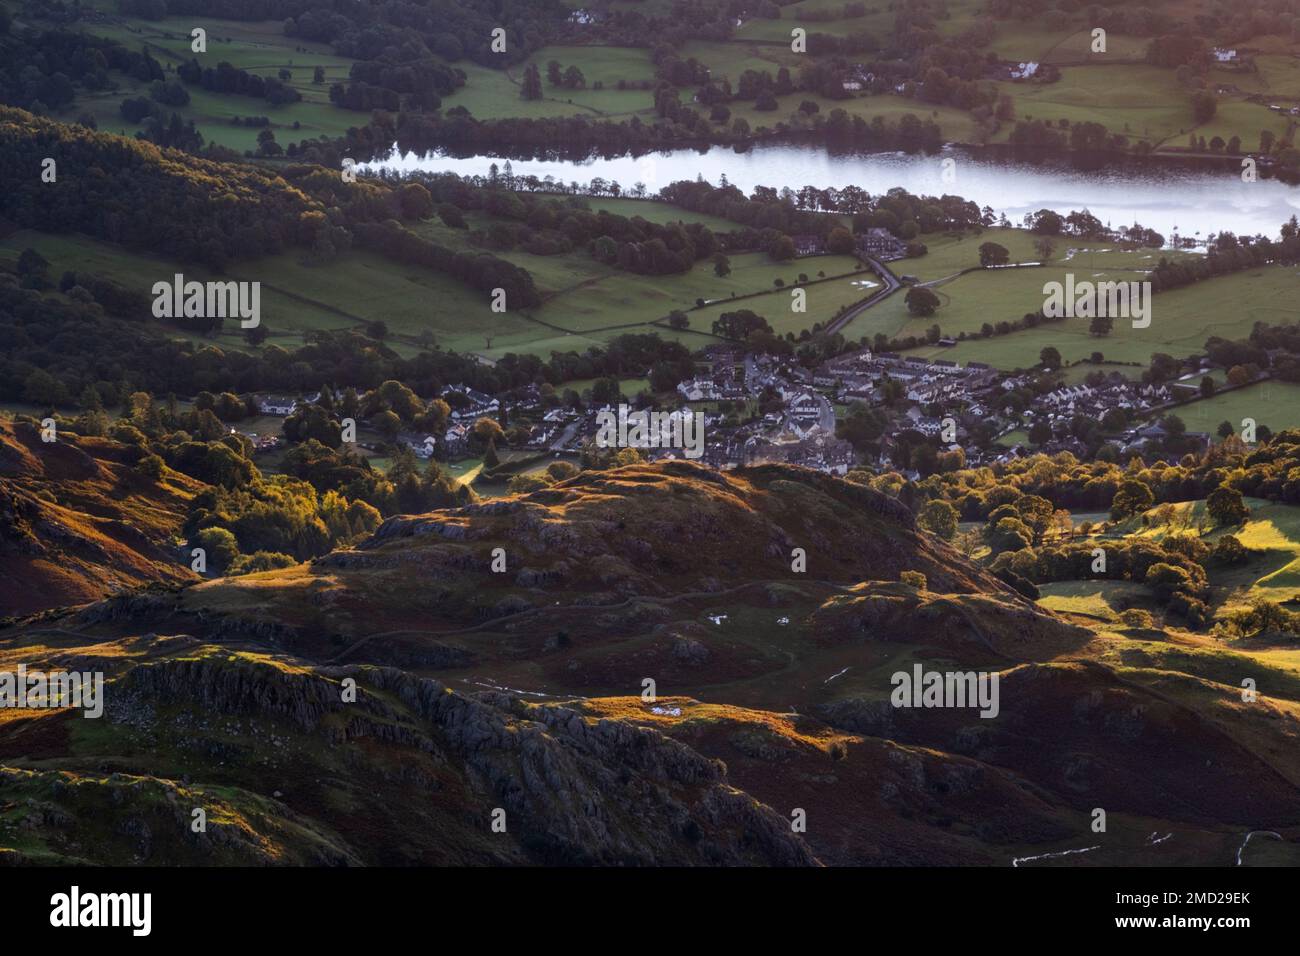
1190	200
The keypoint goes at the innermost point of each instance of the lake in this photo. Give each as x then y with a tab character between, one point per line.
1192	200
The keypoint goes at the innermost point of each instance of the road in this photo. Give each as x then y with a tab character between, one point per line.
892	285
565	436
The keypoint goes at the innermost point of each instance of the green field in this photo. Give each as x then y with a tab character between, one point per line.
1095	599
257	46
879	19
956	125
630	387
1272	534
658	212
948	255
823	300
298	297
1181	320
587	303
969	301
1272	403
1115	89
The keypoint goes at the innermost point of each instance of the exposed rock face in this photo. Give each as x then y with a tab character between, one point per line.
690	651
574	790
334	714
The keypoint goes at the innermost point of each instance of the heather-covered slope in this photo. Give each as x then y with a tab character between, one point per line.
76	524
625	546
523	690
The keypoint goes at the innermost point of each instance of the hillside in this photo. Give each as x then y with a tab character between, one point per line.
77	525
521	690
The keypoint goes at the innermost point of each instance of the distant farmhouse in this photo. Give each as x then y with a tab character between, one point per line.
881	243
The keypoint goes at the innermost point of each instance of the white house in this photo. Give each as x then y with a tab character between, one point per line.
276	405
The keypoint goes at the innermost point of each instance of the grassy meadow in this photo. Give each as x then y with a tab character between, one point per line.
1271	534
256	46
1181	320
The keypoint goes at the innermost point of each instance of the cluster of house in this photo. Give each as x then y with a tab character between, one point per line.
942	397
821	451
1063	406
797	423
467	406
281	406
875	242
1071	400
854	377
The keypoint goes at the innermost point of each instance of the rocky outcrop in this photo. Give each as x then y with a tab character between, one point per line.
574	790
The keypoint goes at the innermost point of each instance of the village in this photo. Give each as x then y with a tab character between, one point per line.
764	409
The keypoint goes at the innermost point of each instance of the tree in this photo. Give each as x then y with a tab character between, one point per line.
939	518
921	301
861	426
1239	375
721	266
219	546
1101	325
415	201
1226	506
1204	106
573	79
1050	357
604	391
1115	420
1165	579
318	75
839	242
554	75
1207	387
1040	433
1046	222
1045	246
312	421
1163	368
740	324
781	249
266	144
395	397
523	484
452	216
994	254
1009	534
149	468
532	85
561	470
31	264
1133	497
1230	550
387	424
